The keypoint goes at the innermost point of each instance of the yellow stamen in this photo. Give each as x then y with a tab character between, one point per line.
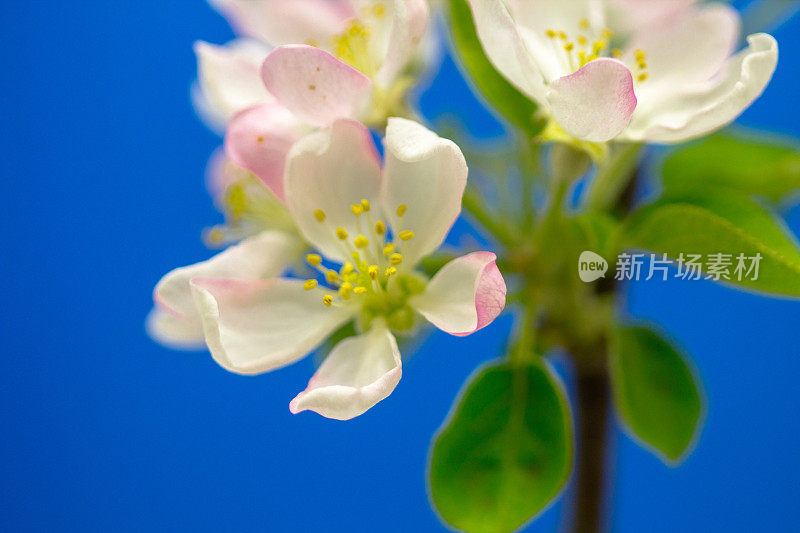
380	228
406	235
310	284
361	242
314	259
391	271
582	40
365	205
388	249
356	258
332	276
616	52
327	300
639	55
360	290
341	233
643	76
373	272
599	45
346	291
584	23
642	64
569	47
395	259
607	34
356	209
347	268
401	210
562	36
551	33
319	214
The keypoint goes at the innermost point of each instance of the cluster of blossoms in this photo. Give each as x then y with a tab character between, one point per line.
300	174
304	188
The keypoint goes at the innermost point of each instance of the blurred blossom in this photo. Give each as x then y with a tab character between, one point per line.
644	71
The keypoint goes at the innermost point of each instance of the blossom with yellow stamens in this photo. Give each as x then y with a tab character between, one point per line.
600	70
255	325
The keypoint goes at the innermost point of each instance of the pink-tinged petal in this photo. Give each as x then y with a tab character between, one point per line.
358	373
259	139
596	102
331	170
229	79
466	295
409	22
687	112
687	49
256	326
287	21
427	174
314	85
175	332
506	47
265	255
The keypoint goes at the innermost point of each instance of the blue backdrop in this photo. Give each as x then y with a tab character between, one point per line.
102	178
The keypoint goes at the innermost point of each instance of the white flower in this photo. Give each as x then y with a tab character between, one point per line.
604	70
376	225
333	59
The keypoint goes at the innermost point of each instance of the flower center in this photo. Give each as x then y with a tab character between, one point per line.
590	45
373	276
354	46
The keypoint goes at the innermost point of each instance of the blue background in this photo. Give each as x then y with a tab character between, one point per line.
102	191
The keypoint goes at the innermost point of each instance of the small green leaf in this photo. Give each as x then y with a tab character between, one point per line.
655	392
711	222
751	165
517	108
505	452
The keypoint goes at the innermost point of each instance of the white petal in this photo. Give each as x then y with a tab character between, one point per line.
174	332
465	295
229	77
506	48
262	256
685	50
279	22
596	102
331	170
409	22
687	112
427	174
255	326
626	16
358	373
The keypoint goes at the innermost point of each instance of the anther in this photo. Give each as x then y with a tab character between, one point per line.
551	33
347	268
373	272
401	210
380	228
584	23
310	284
406	235
319	214
388	249
356	209
391	271
643	76
346	291
562	35
616	52
332	276
314	259
341	233
361	242
360	290
639	55
365	205
569	47
582	40
327	300
395	259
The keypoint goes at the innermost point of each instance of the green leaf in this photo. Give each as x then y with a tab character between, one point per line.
655	392
517	108
741	162
710	222
505	452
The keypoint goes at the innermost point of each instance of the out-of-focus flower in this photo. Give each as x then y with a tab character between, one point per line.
374	225
663	78
333	59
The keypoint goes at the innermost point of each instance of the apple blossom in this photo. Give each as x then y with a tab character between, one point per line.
375	225
662	79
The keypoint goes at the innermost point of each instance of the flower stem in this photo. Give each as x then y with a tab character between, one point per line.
612	177
591	481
